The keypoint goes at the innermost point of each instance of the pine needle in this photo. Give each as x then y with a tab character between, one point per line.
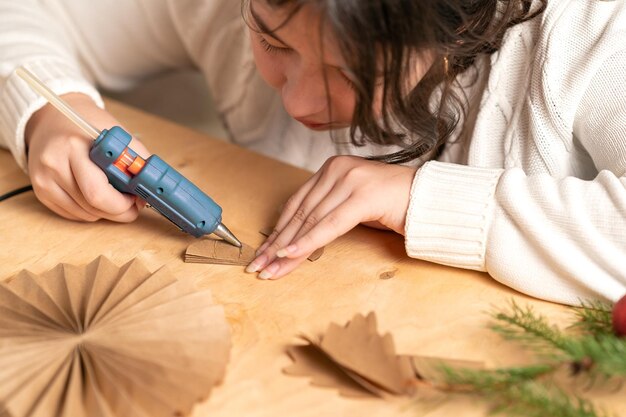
534	399
531	329
517	392
492	381
594	317
606	354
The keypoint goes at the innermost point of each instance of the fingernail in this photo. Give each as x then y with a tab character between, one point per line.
256	264
269	272
282	253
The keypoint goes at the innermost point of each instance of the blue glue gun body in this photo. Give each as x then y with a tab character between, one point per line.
160	185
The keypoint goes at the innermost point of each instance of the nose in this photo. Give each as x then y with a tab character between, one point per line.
304	94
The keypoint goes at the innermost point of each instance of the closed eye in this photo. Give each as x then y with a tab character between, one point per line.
272	49
347	79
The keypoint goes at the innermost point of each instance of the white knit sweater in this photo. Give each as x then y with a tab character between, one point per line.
534	193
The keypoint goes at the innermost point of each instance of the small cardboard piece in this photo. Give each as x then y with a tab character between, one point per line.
100	340
213	251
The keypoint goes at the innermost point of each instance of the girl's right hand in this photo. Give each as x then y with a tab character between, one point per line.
63	176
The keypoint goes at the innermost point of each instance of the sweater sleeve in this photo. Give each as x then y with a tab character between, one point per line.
562	240
29	36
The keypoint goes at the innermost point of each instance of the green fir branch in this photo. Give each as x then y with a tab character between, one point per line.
594	317
525	326
594	350
492	381
517	392
597	351
534	399
601	355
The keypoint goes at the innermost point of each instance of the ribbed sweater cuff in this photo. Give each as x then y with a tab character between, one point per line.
449	214
18	101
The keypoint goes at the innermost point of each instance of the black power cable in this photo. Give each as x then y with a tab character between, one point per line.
15	192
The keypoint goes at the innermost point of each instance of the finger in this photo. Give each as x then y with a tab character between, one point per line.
140	203
57	198
299	226
66	206
280	268
60	211
303	220
90	187
128	216
295	201
69	203
289	210
281	262
336	197
313	191
338	222
267	242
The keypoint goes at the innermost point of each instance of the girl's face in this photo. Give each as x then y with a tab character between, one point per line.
302	61
306	69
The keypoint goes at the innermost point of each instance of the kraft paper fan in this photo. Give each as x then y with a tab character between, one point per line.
107	341
358	361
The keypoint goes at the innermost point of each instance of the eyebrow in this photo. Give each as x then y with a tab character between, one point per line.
263	29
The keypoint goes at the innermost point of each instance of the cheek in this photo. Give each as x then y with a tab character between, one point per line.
343	107
343	100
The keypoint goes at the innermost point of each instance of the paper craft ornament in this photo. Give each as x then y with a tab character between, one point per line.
362	355
104	341
357	361
213	251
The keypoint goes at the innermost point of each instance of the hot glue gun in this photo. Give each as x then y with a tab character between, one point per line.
152	179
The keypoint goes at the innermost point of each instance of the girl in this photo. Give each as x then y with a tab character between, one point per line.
519	106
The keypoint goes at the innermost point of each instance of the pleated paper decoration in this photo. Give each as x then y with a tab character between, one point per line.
104	341
358	361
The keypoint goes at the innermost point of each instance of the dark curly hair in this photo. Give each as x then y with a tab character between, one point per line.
394	31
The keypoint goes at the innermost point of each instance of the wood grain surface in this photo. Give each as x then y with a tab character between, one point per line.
430	309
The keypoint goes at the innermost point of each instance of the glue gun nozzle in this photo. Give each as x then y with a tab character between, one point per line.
223	232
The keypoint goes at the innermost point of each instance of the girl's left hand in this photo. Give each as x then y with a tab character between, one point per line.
346	191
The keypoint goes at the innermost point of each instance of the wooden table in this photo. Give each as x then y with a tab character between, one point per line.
430	309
